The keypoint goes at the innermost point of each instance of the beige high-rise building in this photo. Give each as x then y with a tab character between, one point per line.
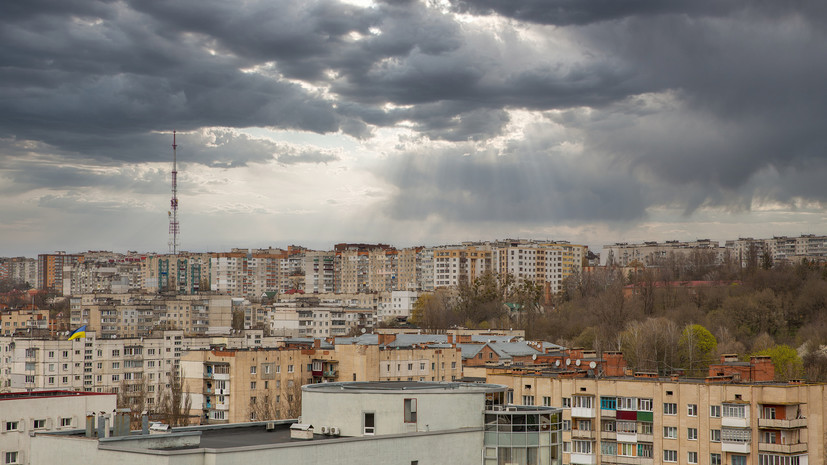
663	420
546	264
229	386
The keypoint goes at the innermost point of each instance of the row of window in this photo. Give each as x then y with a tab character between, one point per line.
715	411
40	423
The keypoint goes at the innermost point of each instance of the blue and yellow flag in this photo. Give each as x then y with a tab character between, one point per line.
78	333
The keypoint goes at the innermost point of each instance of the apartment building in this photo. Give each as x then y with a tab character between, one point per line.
25	414
135	315
546	264
185	273
318	272
23	321
455	265
649	420
398	305
136	366
50	270
228	386
654	253
19	269
344	424
111	277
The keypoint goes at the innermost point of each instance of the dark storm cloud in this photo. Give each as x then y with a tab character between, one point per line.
523	186
579	12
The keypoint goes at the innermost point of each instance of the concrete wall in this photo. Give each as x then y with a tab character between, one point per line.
436	410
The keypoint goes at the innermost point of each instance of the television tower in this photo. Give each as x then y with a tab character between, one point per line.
173	213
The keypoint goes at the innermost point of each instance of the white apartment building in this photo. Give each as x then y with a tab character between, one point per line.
399	305
623	254
346	424
546	264
24	414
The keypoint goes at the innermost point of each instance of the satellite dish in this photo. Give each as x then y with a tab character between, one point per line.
363	330
534	356
577	362
557	363
568	361
592	365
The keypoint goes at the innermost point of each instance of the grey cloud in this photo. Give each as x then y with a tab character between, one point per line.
465	185
307	156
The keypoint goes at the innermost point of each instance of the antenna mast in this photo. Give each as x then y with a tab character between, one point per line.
173	213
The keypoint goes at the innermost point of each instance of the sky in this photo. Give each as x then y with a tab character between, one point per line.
409	122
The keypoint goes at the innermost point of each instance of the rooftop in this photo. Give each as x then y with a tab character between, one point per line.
394	386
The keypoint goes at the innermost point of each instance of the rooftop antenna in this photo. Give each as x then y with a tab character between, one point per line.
173	213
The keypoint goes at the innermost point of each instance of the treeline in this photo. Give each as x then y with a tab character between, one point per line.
659	323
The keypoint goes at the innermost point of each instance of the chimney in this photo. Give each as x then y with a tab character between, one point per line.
90	424
317	343
121	422
450	338
144	422
103	425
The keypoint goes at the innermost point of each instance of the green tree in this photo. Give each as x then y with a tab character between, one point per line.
788	365
698	348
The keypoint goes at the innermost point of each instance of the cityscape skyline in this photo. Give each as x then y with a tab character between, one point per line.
408	122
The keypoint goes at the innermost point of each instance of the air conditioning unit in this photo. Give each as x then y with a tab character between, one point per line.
325	430
334	431
511	409
271	425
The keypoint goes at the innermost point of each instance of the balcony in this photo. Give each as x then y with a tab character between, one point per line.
582	412
736	447
330	373
627	460
773	423
626	437
606	413
582	459
582	434
608	435
645	437
782	448
735	422
221	376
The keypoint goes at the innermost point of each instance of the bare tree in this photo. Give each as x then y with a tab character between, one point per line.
175	404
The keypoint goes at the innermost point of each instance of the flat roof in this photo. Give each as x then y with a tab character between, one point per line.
251	435
49	394
443	387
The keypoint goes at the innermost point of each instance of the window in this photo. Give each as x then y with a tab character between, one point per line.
644	427
66	421
609	425
608	448
290	370
12	425
546	401
670	408
670	432
735	435
670	456
253	370
714	459
734	411
410	410
715	411
692	410
581	447
566	402
528	400
692	434
644	405
566	425
626	427
768	413
252	385
692	457
768	437
645	450
582	402
584	425
608	403
627	403
39	424
370	427
11	457
739	460
715	435
626	449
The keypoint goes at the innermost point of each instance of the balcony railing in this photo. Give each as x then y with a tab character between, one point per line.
782	448
582	434
773	423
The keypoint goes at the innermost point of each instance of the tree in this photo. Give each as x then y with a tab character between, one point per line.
175	405
433	311
651	345
698	348
238	320
788	365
